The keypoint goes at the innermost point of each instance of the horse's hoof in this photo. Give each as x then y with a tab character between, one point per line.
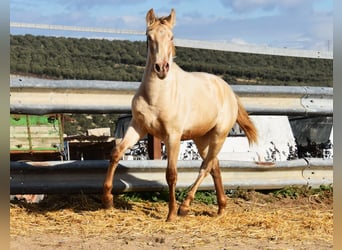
108	202
220	212
171	217
183	211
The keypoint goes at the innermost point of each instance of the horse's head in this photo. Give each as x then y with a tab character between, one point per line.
161	49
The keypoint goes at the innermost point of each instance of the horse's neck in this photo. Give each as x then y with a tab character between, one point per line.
154	89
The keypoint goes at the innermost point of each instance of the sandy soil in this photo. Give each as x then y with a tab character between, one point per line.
253	221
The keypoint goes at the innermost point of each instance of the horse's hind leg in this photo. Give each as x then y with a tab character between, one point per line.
208	148
185	206
221	197
133	134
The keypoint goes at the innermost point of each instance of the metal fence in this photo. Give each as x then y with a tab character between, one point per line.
149	175
42	96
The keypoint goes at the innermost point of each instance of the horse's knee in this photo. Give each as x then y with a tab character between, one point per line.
215	170
171	177
115	155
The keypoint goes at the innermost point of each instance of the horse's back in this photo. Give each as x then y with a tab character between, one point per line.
210	98
205	85
208	90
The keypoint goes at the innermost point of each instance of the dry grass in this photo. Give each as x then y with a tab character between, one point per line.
261	218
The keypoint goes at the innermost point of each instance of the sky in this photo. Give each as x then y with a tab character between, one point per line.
297	24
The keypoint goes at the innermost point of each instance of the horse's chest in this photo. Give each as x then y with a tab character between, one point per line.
148	116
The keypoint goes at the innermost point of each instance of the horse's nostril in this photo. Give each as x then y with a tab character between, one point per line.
167	67
157	67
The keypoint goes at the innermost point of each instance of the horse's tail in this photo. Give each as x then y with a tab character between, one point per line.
246	124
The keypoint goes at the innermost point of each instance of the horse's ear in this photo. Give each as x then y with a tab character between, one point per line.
171	19
150	17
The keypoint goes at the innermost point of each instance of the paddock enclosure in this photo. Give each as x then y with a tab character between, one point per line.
258	215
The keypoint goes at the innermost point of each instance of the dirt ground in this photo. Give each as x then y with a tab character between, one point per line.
251	221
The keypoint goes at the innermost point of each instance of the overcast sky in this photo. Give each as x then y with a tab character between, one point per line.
300	24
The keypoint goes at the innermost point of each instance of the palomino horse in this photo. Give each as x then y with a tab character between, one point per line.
175	105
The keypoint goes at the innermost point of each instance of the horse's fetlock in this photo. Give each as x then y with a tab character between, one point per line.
107	201
190	197
222	201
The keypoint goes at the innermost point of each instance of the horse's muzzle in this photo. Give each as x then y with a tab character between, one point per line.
162	69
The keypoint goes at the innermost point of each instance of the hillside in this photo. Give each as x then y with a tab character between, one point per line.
71	58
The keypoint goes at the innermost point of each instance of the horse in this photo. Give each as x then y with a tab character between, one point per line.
173	105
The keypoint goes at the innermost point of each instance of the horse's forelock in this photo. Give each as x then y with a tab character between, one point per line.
173	47
163	20
160	21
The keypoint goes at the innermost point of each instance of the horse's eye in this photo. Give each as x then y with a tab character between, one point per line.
171	38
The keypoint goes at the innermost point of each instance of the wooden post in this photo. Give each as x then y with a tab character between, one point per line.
154	147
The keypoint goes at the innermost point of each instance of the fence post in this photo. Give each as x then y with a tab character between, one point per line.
154	147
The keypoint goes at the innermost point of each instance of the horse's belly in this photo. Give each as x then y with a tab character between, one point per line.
197	130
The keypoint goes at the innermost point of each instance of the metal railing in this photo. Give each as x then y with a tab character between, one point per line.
149	175
42	96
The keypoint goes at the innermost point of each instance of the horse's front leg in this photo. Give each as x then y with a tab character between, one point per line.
172	147
133	134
